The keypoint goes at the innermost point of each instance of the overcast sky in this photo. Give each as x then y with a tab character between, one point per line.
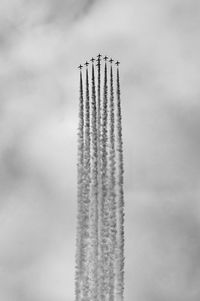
41	44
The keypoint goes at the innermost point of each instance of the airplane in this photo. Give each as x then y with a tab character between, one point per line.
98	62
117	63
92	60
80	67
111	60
105	58
86	64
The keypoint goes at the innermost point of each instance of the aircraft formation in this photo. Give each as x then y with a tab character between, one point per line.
98	60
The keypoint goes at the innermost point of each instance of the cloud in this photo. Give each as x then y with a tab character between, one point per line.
41	44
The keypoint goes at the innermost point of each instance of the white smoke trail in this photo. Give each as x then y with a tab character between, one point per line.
94	198
112	193
104	240
120	201
79	255
100	220
99	125
86	198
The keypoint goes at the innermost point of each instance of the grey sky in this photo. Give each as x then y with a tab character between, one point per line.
41	45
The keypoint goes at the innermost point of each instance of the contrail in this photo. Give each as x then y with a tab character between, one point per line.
94	198
86	196
99	128
112	194
120	201
104	240
99	272
79	241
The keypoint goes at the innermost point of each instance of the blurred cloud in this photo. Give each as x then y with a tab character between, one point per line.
41	44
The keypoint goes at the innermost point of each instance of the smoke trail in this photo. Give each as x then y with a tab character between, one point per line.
99	104
120	202
94	199
112	194
86	197
99	119
99	274
104	240
79	255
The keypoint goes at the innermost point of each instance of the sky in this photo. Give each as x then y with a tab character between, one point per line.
41	45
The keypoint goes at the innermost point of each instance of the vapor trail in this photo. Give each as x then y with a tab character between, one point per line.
79	242
99	274
94	198
120	201
104	240
86	196
99	101
112	194
99	120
